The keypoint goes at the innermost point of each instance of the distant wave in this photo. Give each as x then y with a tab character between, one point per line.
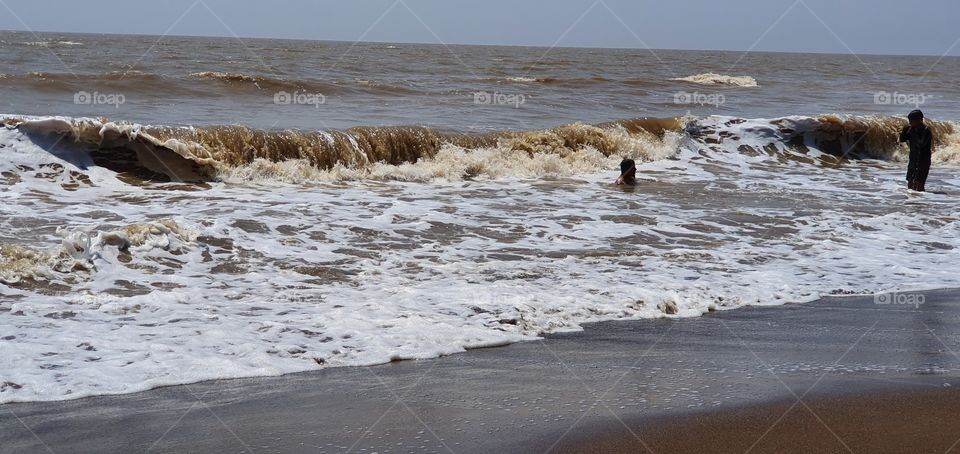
67	77
520	79
134	81
700	79
573	82
720	79
53	43
228	77
324	87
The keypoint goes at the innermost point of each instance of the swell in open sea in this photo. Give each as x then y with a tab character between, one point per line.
217	209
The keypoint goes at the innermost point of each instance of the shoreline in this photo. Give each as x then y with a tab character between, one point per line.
529	396
492	346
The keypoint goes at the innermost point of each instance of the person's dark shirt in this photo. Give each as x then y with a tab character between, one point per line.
920	140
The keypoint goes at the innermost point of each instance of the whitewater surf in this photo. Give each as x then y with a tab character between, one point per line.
164	255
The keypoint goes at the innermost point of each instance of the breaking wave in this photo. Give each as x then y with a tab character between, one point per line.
238	154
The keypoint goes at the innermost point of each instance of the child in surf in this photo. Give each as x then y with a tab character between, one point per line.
920	138
628	173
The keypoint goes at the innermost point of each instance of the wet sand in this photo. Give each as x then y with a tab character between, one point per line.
864	368
906	422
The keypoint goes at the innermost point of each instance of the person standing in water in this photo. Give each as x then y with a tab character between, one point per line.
920	138
628	173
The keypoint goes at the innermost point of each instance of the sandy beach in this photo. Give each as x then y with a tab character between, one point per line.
905	422
711	383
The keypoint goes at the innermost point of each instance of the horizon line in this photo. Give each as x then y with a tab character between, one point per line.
532	46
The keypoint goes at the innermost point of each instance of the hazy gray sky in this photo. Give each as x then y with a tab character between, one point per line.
868	26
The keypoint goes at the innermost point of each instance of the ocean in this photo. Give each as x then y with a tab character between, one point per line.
185	209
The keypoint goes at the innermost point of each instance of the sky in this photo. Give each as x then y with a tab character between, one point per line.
922	27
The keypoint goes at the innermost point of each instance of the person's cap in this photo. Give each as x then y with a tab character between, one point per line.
915	115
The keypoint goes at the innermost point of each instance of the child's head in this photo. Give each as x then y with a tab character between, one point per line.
628	172
916	118
628	168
